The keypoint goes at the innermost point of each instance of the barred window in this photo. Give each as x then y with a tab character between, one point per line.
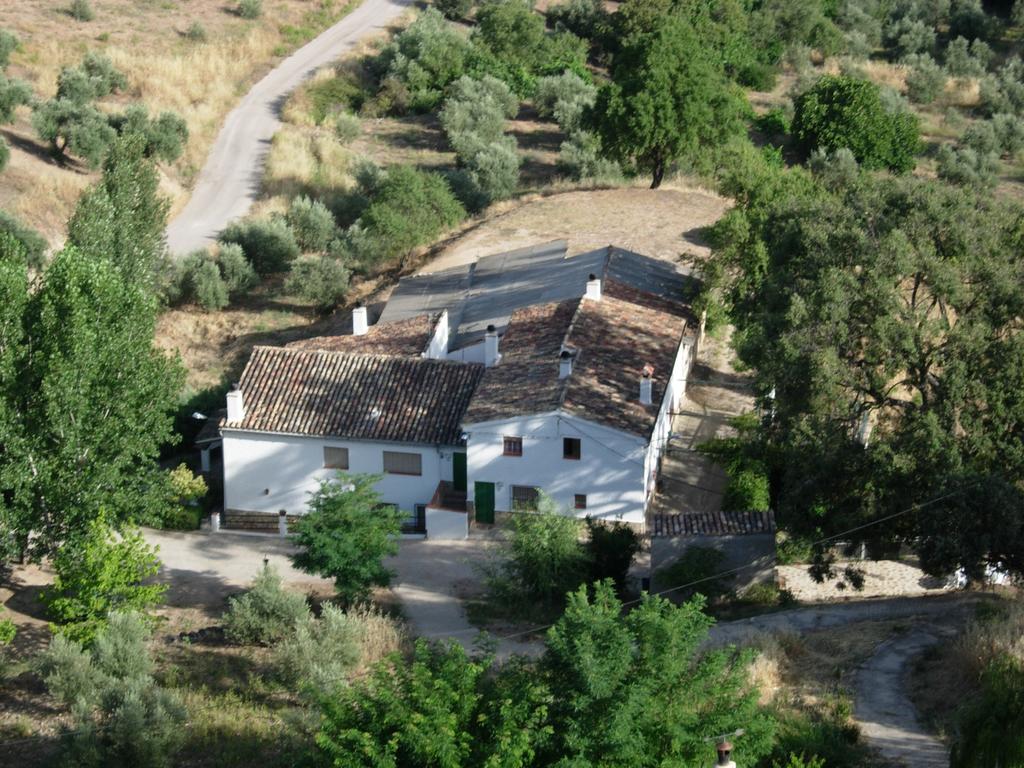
397	463
513	446
335	458
525	498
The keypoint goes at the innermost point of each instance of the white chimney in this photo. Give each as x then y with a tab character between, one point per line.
359	324
565	364
646	386
491	355
593	288
236	405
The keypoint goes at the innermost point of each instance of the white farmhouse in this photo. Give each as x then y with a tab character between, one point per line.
477	388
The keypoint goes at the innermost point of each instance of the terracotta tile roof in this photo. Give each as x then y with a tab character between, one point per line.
362	397
406	338
713	524
526	380
612	340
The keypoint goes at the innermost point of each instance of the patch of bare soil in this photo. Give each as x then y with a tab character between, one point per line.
663	223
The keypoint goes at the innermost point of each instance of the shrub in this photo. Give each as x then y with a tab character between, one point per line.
747	490
585	18
81	10
312	223
165	136
99	572
925	81
425	58
208	287
411	207
493	169
32	244
347	127
184	490
237	272
8	44
320	653
320	279
910	36
476	110
454	9
1009	131
793	551
7	630
610	550
695	571
326	97
564	97
542	559
13	93
266	613
122	718
964	59
5	154
268	244
968	19
989	727
840	111
580	157
196	32
967	167
250	9
981	137
346	534
774	122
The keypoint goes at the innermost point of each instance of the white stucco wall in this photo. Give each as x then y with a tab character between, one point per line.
676	389
268	473
609	471
446	525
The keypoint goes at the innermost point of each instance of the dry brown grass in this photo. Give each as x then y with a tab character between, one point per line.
201	81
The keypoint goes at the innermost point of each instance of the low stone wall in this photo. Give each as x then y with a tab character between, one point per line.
263	522
753	554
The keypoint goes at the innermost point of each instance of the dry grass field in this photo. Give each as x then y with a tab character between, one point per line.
201	80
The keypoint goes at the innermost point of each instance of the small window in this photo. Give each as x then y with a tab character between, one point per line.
580	501
570	448
513	446
335	458
524	498
396	463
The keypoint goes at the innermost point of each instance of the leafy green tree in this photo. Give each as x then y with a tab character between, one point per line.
454	9
346	534
320	279
476	110
95	78
165	136
75	128
879	311
312	223
268	244
512	31
840	111
565	97
669	100
441	710
93	401
121	717
123	217
925	80
100	571
580	157
208	287
13	94
967	166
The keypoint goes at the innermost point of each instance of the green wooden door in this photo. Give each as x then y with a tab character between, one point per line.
459	471
483	495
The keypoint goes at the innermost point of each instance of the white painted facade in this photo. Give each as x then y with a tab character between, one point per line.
268	472
609	472
676	389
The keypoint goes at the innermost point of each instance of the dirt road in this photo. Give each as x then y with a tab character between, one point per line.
230	180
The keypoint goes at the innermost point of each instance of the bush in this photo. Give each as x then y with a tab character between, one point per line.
580	157
475	111
493	169
610	551
268	244
165	136
237	272
965	59
13	93
98	572
122	718
410	208
184	490
312	223
320	653
564	97
32	244
694	572
840	111
5	154
454	9
1009	131
347	127
346	534
424	59
966	167
8	44
7	631
208	287
967	18
585	18
925	81
196	32
542	560
320	279
981	137
250	9
266	613
747	490
910	36
773	123
326	97
793	551
81	10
